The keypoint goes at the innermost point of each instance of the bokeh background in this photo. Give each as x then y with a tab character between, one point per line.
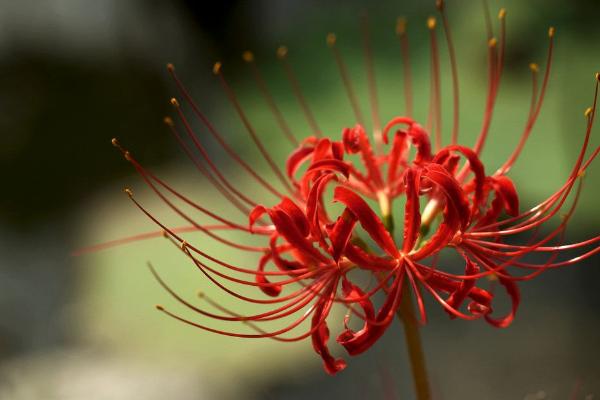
73	74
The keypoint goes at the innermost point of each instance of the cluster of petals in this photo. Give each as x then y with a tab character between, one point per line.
331	225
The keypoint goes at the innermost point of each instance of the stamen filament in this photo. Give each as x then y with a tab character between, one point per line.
262	86
282	52
238	107
331	42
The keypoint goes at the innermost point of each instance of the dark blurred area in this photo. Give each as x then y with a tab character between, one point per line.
74	74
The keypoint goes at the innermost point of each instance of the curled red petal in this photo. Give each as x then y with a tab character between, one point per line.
475	165
442	236
296	214
420	139
314	212
255	214
296	159
323	150
337	150
412	214
268	288
460	294
319	339
397	155
351	141
392	123
341	232
493	212
360	341
288	230
349	338
331	165
321	335
356	140
456	214
505	186
280	262
370	222
453	194
515	297
442	282
367	260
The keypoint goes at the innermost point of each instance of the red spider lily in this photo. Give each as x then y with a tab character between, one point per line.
311	257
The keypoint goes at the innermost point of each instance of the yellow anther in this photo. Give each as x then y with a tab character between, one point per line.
159	307
401	26
183	245
534	67
125	153
174	102
587	112
431	22
331	39
551	31
502	13
598	76
282	51
168	121
439	4
217	68
248	56
493	42
128	191
581	174
170	67
201	294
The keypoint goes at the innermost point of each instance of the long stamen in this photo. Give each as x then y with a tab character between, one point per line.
304	298
402	34
404	50
368	52
454	71
561	195
502	19
190	132
235	334
248	57
534	87
238	107
216	135
491	94
178	241
178	211
297	303
282	52
534	115
436	108
149	177
142	237
207	271
343	70
205	172
200	148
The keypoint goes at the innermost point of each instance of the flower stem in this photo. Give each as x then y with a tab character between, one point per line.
412	336
406	313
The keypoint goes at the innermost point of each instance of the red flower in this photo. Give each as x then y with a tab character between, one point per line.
313	258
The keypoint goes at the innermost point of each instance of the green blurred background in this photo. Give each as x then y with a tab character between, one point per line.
76	73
